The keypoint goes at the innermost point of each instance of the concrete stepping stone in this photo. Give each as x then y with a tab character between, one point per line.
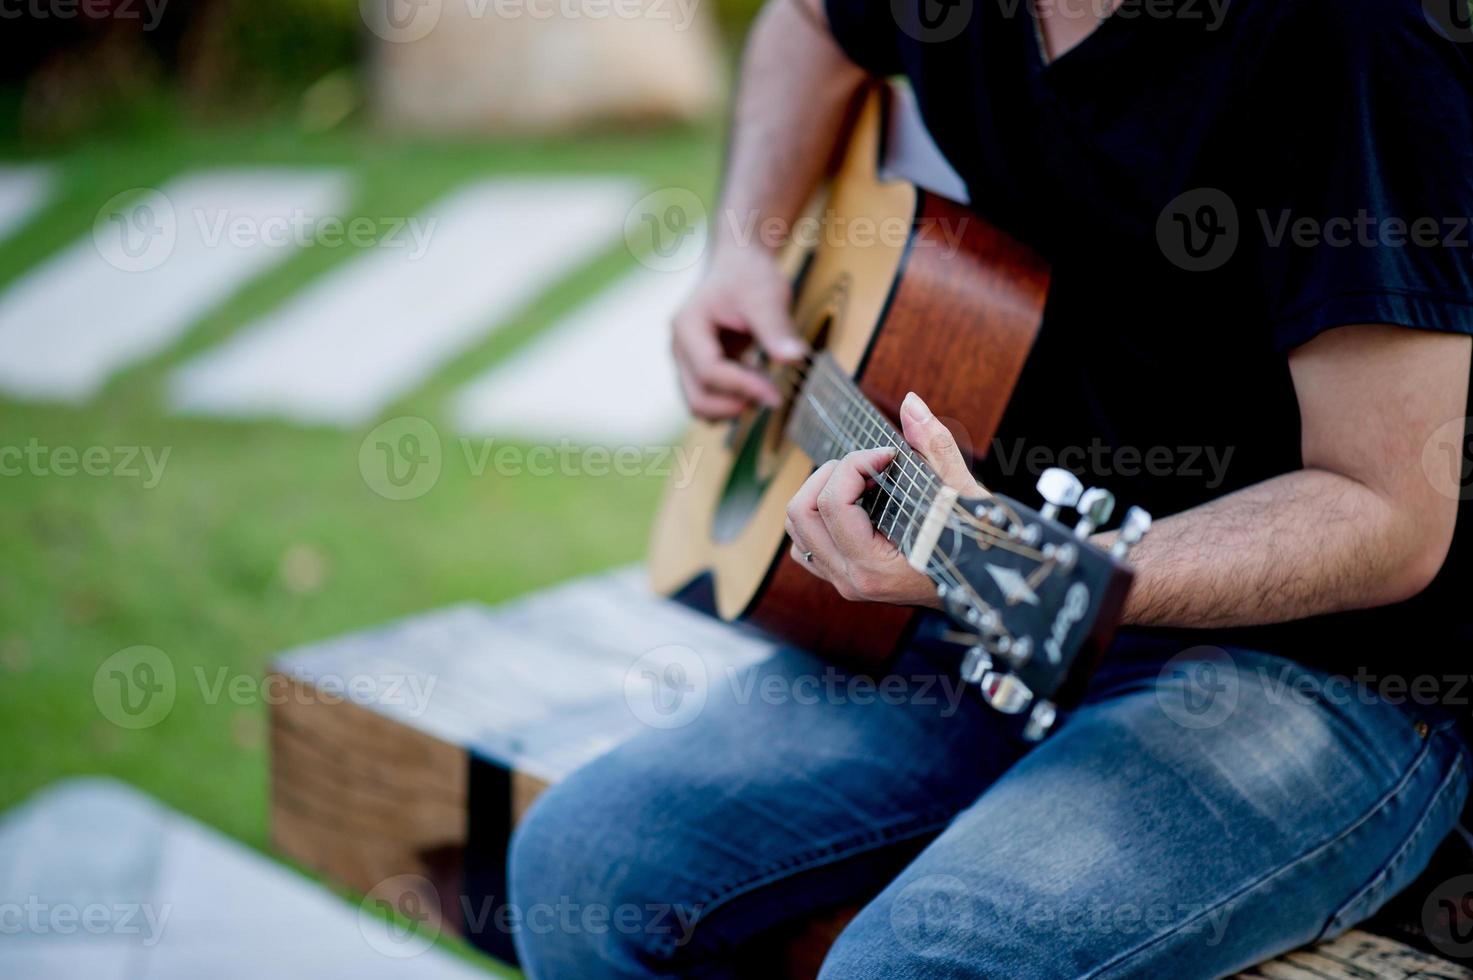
155	262
23	191
602	376
372	330
108	883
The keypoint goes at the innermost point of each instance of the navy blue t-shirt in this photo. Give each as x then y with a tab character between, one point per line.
1213	185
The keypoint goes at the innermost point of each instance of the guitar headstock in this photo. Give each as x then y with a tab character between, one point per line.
1037	601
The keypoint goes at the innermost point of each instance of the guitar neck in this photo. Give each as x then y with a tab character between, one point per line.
831	418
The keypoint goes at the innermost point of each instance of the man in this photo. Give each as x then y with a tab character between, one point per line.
1257	220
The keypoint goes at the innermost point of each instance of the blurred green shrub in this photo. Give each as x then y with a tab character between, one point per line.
261	50
63	79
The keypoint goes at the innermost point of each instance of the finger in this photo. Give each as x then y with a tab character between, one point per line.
934	441
699	352
765	314
847	523
810	563
723	403
806	499
711	407
803	521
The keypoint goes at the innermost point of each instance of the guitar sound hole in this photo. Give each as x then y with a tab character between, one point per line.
745	484
761	447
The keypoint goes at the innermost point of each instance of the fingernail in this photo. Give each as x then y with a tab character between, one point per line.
915	408
790	348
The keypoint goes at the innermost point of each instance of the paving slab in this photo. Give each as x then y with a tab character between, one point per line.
372	330
603	376
99	880
155	262
24	189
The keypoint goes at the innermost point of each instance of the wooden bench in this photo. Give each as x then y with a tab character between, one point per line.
411	751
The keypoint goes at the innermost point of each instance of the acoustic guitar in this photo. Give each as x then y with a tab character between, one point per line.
949	306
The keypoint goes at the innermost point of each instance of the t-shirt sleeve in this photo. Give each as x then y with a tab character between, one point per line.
867	31
1366	195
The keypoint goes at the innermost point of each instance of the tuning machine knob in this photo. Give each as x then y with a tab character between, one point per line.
1040	721
1095	507
1058	488
1004	692
1137	522
975	665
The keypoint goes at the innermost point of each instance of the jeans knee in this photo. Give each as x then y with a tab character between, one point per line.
864	955
557	893
592	891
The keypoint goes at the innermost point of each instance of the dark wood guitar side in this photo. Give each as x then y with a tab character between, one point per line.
950	312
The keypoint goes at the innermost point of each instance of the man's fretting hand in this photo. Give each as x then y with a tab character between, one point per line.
832	534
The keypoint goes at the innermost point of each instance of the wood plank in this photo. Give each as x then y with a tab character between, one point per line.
1358	955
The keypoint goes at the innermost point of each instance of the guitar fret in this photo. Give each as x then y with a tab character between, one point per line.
832	418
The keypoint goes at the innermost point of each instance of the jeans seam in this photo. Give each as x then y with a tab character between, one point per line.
1379	878
1423	753
807	861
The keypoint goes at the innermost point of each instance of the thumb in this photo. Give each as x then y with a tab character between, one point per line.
767	317
935	443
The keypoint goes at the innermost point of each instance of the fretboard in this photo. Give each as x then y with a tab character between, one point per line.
831	417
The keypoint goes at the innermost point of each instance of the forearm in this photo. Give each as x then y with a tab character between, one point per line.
1298	545
796	85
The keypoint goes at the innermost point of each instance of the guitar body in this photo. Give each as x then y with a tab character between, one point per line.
907	291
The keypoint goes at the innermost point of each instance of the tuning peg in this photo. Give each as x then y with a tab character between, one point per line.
1004	692
1137	522
975	664
1040	721
1059	488
1095	507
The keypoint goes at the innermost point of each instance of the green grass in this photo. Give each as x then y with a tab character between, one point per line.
261	536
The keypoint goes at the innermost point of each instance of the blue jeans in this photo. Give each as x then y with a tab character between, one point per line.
1197	814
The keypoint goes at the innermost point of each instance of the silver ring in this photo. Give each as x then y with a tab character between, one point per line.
808	557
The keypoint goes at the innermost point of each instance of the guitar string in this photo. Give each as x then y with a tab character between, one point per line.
842	384
972	526
913	469
844	438
945	569
939	565
907	460
968	526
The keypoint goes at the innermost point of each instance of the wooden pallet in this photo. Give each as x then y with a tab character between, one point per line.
453	723
1358	956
